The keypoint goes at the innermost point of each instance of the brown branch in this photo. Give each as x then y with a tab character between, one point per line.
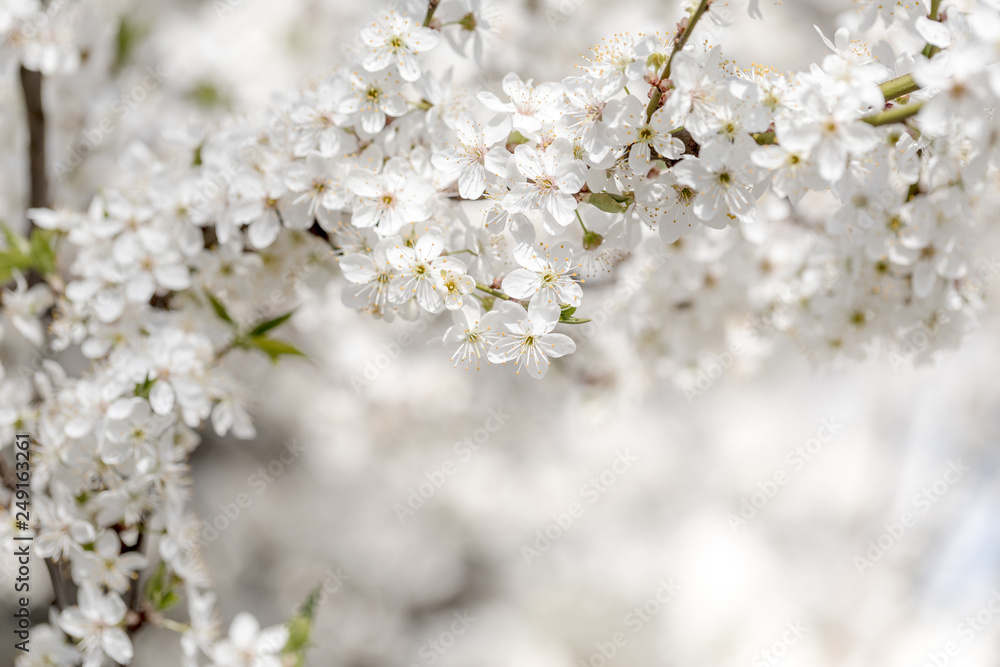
31	85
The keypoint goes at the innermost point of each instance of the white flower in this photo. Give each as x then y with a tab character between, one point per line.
477	155
421	272
666	205
545	278
372	275
628	119
554	177
832	134
396	39
390	199
24	306
371	99
474	19
250	646
96	622
583	119
106	565
49	649
530	105
716	175
473	332
530	342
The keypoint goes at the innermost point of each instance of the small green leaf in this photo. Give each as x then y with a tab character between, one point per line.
607	202
567	311
143	388
300	628
264	327
160	588
219	309
42	256
275	348
516	138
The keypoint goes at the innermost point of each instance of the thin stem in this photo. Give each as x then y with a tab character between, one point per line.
31	85
930	49
679	41
489	290
581	221
893	115
432	6
901	85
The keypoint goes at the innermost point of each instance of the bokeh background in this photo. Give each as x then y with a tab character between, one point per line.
821	572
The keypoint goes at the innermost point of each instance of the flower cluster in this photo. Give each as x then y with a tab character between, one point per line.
843	204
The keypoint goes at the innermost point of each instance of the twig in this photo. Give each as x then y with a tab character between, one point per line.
31	85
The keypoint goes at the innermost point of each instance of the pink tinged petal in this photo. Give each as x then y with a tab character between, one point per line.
521	284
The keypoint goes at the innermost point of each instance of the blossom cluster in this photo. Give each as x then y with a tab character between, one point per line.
845	204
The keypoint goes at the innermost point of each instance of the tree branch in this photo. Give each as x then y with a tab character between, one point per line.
31	85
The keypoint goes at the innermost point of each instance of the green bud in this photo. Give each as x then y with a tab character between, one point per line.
468	22
592	240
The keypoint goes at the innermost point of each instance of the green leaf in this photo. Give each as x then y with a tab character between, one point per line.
219	309
24	255
516	138
42	255
607	202
143	388
275	348
567	311
264	327
160	588
300	628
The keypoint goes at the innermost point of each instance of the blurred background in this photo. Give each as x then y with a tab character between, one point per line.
786	514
